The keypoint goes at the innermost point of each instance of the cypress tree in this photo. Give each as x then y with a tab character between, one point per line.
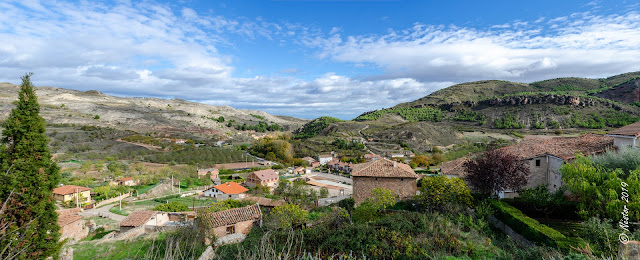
28	176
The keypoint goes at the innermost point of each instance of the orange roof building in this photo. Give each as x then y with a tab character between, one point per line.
229	190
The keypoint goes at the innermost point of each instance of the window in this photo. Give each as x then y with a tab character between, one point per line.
231	230
538	163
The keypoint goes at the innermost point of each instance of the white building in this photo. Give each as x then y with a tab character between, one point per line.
229	190
626	136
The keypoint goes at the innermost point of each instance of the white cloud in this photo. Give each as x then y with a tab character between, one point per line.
583	45
147	49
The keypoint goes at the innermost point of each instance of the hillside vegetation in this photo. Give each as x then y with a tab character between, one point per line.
492	108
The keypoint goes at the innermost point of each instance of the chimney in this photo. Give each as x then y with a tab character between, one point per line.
394	164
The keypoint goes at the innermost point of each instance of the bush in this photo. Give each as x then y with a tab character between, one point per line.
439	191
173	206
531	228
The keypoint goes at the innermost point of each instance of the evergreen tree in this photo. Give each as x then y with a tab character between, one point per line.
28	176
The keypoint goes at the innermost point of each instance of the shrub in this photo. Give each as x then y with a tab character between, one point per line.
531	228
439	191
173	206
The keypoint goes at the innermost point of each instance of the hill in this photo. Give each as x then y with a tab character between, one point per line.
483	111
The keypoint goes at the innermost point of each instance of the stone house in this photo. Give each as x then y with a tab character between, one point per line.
71	225
339	166
212	171
544	157
309	160
301	170
73	194
626	136
129	181
383	173
143	218
371	157
229	190
231	225
266	177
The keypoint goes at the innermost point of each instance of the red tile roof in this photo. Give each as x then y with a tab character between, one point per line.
455	167
137	218
66	219
563	147
232	216
69	189
126	179
267	174
384	168
630	130
231	188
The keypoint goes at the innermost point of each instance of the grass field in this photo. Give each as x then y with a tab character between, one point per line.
126	249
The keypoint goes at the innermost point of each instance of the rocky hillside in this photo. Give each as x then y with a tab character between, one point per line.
463	112
67	107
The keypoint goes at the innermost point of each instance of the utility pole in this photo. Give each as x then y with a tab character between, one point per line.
171	183
120	201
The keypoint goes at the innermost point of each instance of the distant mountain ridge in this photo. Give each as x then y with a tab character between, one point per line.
493	107
65	106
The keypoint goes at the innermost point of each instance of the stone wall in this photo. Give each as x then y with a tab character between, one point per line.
404	188
74	231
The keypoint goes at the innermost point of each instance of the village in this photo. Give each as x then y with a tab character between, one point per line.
324	181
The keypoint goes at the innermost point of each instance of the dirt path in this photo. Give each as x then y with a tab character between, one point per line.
103	212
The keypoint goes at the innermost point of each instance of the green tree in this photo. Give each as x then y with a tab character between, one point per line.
439	191
173	206
381	199
288	215
29	175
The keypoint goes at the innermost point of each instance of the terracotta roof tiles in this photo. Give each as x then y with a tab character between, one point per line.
137	218
69	189
561	147
232	216
383	168
629	130
231	188
455	167
267	174
66	219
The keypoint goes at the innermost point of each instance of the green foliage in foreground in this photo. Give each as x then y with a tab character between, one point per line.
531	228
28	227
411	114
603	192
314	127
184	243
393	235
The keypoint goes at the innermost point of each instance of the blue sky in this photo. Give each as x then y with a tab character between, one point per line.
311	58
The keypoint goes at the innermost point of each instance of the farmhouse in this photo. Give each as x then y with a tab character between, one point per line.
267	177
546	156
129	181
231	225
71	225
73	194
626	136
212	171
325	158
229	190
309	160
143	218
371	157
383	173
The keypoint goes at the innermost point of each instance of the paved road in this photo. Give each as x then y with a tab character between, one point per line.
103	212
332	176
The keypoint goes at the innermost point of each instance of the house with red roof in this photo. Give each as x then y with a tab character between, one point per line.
229	190
266	177
383	173
73	194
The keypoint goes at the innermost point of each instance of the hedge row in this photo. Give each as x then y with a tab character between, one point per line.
532	229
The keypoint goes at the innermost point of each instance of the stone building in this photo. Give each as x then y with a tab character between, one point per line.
266	177
383	173
231	225
544	157
71	224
